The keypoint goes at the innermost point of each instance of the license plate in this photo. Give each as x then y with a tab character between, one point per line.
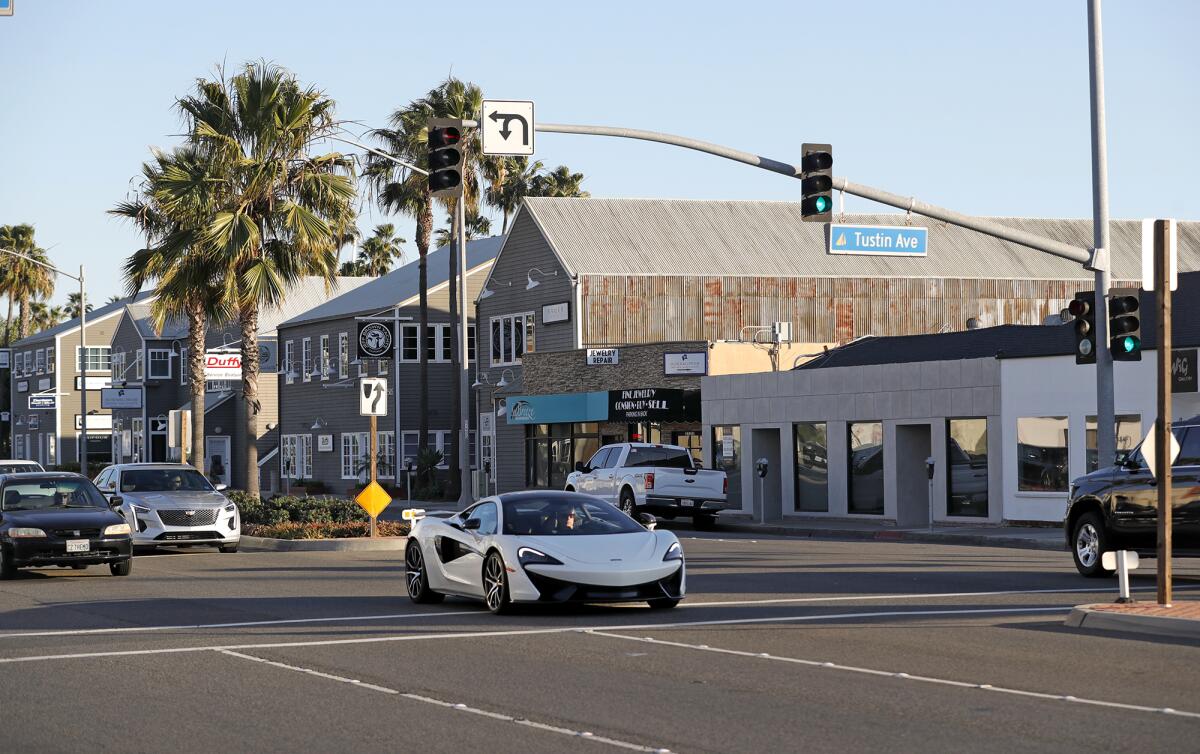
687	503
78	545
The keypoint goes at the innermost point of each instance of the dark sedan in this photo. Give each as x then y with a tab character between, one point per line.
59	520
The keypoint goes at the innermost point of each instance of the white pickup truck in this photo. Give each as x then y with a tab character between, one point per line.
659	479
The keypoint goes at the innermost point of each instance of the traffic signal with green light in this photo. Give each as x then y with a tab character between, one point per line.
445	156
816	183
1083	309
1124	324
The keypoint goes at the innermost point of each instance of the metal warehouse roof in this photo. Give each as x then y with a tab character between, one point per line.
690	237
93	316
399	285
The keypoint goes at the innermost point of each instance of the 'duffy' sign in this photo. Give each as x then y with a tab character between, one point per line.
222	365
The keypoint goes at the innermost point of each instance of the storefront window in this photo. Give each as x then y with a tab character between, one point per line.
812	467
727	457
1129	434
551	451
1042	454
865	480
966	452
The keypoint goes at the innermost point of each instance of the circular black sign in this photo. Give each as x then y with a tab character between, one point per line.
374	340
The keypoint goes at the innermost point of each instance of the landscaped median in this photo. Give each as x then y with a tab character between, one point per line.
313	523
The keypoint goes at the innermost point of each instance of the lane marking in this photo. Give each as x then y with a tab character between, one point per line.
531	632
903	676
241	624
585	735
927	595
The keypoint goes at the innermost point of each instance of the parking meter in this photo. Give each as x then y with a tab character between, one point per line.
929	467
761	466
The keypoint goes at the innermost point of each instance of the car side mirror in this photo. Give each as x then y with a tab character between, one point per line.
115	501
581	467
470	524
647	520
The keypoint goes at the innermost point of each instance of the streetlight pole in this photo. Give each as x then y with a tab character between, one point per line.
82	352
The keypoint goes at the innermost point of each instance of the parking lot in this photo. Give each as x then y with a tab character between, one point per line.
781	645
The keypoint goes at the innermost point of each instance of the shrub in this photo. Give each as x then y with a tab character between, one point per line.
325	530
297	510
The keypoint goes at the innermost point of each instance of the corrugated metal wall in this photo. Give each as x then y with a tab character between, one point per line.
649	308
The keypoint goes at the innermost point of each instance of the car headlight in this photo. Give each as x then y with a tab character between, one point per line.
116	530
674	552
230	508
25	532
529	556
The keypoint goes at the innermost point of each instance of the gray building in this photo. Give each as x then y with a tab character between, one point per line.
323	439
48	368
151	366
591	273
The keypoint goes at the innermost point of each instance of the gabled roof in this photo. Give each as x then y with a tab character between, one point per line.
399	285
1016	341
143	321
92	316
692	237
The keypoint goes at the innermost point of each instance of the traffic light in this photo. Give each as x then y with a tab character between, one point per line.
816	183
1083	309
1124	324
445	156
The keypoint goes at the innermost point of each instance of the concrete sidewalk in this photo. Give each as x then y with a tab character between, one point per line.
1027	537
1179	621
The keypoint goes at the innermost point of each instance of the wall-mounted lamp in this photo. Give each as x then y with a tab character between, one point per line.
531	283
319	423
485	293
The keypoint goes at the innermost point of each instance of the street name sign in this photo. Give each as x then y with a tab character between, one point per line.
878	240
372	396
507	127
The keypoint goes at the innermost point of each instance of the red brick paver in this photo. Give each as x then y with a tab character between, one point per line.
1179	609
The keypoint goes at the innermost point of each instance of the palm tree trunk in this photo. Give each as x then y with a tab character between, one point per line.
452	488
424	230
23	326
504	225
197	326
8	323
248	475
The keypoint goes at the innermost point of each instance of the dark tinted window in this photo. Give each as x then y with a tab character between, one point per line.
599	460
639	456
1189	449
565	516
19	468
164	480
48	494
674	458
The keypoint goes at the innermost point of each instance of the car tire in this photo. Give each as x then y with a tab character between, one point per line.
228	548
704	523
1089	542
124	568
78	566
627	503
663	603
7	569
569	488
415	578
495	584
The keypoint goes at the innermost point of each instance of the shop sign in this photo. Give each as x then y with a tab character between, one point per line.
654	404
324	443
23	386
44	383
94	383
597	356
693	362
222	365
557	409
43	402
552	313
121	397
727	447
96	422
1183	371
376	340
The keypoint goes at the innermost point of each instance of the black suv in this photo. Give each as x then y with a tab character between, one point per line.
1117	508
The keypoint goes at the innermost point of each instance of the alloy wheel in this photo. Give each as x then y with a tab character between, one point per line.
414	569
493	583
1087	545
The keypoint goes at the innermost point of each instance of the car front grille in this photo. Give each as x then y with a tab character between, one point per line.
199	517
186	536
76	533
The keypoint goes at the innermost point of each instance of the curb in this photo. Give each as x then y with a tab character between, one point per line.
359	544
945	538
1086	617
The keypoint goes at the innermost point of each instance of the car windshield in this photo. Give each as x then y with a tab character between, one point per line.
163	480
18	468
561	516
51	494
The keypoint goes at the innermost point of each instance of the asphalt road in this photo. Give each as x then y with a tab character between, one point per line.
781	646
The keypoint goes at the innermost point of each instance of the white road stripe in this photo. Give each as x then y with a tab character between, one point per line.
585	735
530	632
903	676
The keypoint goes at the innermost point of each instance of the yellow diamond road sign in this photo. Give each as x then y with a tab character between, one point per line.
373	499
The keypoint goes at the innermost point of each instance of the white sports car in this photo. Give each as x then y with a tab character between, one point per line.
542	546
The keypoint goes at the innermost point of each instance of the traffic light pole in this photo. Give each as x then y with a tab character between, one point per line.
1106	436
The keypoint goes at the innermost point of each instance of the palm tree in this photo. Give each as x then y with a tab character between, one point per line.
73	305
280	212
42	316
186	284
24	280
352	269
478	226
113	299
509	180
377	253
558	182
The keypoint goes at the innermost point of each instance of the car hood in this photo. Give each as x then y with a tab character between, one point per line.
63	518
597	548
178	499
1099	476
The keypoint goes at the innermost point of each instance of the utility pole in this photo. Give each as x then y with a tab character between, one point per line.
83	354
1106	439
1162	427
465	494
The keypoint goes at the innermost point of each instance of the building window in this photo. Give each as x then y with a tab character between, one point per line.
160	364
967	456
137	439
1129	434
137	365
470	344
409	343
183	366
727	457
1042	454
289	364
297	457
343	356
437	344
50	360
306	366
812	467
443	442
97	359
27	363
386	455
512	336
51	450
323	355
355	452
383	367
865	477
409	451
40	359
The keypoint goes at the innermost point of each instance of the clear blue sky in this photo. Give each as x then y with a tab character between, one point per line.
982	107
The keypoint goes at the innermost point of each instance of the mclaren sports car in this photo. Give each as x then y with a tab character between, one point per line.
542	546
